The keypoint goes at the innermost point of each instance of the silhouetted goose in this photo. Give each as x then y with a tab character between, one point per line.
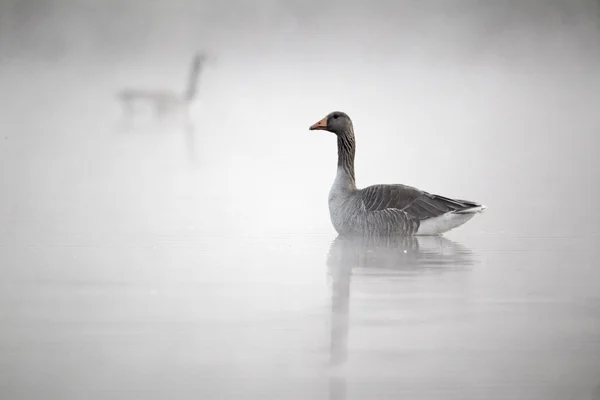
164	100
384	210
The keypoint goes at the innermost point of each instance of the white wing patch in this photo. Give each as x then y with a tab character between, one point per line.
446	222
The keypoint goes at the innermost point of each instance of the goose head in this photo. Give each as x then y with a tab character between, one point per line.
336	122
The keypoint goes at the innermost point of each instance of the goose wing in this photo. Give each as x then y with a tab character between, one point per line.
414	202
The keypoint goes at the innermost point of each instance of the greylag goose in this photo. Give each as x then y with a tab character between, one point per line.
163	100
385	210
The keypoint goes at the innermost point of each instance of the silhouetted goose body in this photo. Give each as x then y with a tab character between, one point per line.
385	210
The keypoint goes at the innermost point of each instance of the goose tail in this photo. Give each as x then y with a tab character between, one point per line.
478	208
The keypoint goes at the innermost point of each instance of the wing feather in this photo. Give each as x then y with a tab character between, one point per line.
416	203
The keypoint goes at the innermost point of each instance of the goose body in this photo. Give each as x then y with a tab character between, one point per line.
385	210
165	101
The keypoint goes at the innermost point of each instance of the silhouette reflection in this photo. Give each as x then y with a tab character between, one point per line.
190	140
374	255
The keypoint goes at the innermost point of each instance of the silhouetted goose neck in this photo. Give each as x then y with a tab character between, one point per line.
346	152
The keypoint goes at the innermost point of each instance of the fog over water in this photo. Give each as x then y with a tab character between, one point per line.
198	259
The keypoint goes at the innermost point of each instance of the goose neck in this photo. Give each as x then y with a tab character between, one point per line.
346	153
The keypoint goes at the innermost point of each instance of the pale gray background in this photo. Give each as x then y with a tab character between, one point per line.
136	263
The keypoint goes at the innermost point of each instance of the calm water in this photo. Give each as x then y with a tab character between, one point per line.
148	260
301	316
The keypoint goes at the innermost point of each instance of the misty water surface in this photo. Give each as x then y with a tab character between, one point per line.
146	258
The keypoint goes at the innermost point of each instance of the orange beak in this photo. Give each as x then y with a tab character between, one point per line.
321	125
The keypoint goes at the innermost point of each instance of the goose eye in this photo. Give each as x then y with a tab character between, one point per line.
335	116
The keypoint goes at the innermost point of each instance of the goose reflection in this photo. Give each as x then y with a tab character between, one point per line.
190	138
372	256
